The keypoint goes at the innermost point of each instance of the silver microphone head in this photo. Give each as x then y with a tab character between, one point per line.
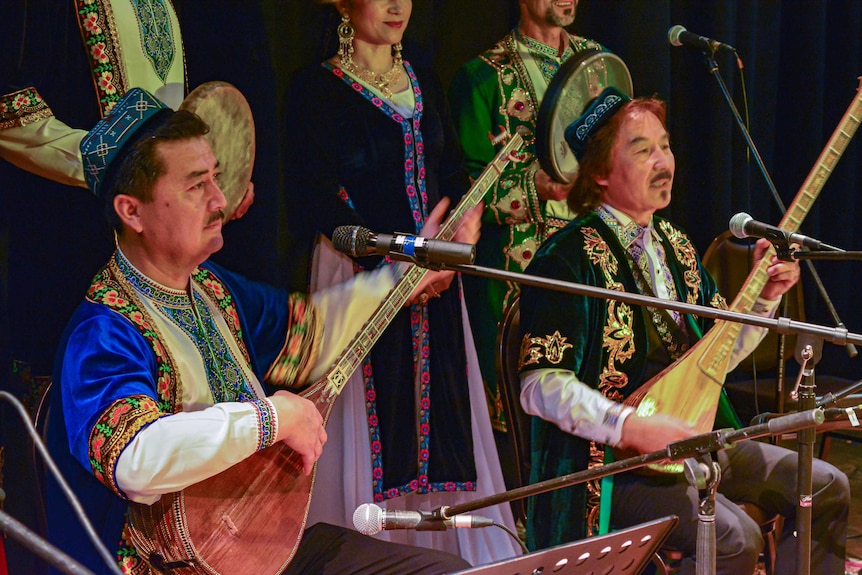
352	240
368	519
737	224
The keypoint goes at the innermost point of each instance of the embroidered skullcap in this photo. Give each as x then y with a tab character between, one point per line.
104	144
599	111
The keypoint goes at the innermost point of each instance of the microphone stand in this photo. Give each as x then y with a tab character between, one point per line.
693	447
713	70
783	325
807	398
41	548
704	474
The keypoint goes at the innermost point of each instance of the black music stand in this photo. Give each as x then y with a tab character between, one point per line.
624	552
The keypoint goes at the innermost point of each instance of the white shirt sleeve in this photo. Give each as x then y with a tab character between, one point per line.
557	395
185	448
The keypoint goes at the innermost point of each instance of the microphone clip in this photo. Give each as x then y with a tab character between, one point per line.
783	251
431	521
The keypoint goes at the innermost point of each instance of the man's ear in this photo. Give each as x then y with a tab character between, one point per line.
128	210
601	181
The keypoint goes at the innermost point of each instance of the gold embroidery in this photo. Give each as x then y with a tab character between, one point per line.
523	253
718	301
513	204
551	347
619	344
598	252
687	256
519	105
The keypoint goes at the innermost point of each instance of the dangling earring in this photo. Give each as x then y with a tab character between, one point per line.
345	39
396	54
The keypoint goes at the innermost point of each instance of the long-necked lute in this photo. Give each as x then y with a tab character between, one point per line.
690	387
249	519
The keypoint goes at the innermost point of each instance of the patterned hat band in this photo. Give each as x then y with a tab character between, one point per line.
597	113
134	116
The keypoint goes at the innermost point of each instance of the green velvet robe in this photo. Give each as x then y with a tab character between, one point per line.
605	343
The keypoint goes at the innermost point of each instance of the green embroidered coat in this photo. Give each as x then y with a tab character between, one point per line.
605	343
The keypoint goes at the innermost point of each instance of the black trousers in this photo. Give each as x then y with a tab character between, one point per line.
329	550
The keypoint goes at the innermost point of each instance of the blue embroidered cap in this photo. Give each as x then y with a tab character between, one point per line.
103	144
598	112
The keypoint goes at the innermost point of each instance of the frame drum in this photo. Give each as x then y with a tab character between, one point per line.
223	107
580	79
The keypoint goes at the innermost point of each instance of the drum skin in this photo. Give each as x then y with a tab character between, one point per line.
223	107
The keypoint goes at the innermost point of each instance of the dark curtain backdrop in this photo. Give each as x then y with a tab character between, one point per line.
801	61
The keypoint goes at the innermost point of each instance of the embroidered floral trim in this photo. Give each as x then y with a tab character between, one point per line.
110	289
671	334
599	254
114	429
99	33
619	345
414	148
150	289
129	560
523	253
21	108
302	341
267	423
217	291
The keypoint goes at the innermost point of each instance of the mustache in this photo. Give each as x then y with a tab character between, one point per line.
219	215
663	175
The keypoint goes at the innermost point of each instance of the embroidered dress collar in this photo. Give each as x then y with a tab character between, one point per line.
151	289
547	58
541	50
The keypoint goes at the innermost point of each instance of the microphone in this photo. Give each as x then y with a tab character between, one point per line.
679	36
370	519
358	241
744	226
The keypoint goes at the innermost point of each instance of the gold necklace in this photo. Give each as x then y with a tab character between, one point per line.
382	81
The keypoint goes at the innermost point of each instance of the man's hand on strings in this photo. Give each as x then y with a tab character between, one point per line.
654	432
300	426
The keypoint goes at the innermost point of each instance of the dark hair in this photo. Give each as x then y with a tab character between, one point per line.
139	166
586	194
